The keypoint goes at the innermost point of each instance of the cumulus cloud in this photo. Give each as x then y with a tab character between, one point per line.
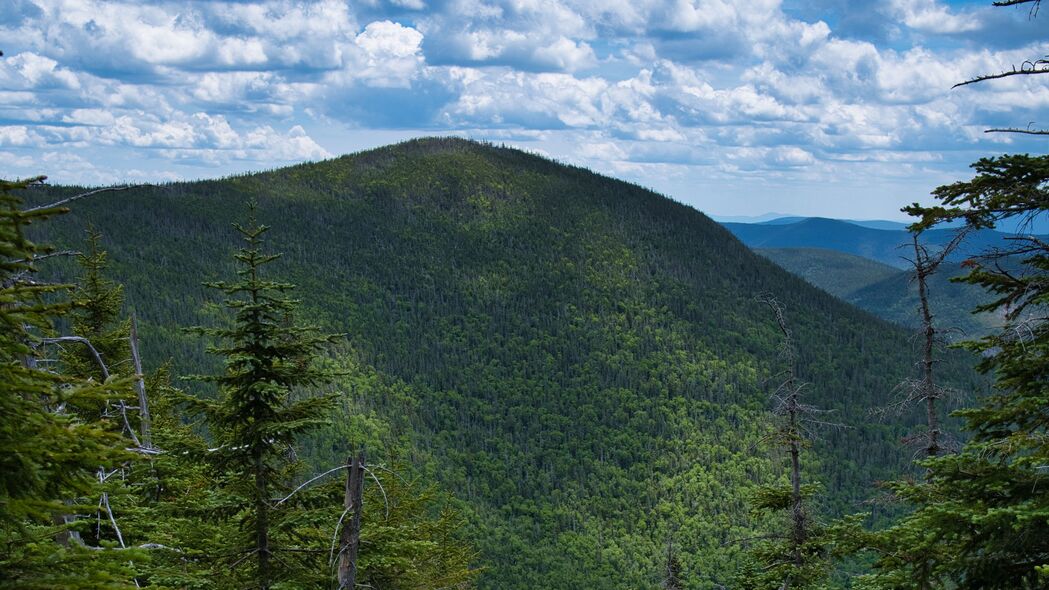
656	90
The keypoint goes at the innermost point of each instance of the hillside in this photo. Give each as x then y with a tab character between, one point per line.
887	292
835	272
888	246
895	298
581	362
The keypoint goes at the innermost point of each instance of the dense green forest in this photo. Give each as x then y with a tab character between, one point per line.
890	293
582	365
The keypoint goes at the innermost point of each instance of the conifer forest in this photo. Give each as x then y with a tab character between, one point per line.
450	362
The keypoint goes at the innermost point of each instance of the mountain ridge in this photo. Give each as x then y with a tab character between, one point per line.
581	361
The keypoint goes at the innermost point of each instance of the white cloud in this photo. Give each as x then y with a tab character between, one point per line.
646	88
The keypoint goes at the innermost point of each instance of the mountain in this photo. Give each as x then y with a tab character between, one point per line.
895	298
887	246
835	272
887	292
581	362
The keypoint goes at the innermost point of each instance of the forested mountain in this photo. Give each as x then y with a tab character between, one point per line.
888	246
837	273
583	363
888	292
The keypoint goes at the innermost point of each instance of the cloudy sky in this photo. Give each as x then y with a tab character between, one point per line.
739	107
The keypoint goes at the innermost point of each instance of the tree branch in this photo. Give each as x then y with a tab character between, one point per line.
85	342
1018	130
1027	68
108	189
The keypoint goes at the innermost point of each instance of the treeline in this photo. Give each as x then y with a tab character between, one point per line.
115	478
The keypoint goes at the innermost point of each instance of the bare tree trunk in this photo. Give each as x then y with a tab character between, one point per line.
923	268
145	421
791	406
350	540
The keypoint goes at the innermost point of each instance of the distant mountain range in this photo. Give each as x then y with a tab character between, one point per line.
886	245
866	263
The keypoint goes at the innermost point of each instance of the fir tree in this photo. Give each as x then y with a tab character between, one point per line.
97	303
48	456
981	517
256	420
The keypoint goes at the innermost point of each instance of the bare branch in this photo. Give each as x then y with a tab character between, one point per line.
1018	130
85	342
59	203
306	483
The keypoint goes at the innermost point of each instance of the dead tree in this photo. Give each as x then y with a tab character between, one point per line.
145	420
350	540
925	390
672	576
791	433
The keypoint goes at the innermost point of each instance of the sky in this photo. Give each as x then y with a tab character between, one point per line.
836	108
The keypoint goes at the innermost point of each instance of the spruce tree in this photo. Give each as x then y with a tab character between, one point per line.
49	457
260	413
981	517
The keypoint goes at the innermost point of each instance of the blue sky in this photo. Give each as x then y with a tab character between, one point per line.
811	107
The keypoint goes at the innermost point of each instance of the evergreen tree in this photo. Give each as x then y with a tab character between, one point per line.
97	303
797	559
257	419
48	457
981	517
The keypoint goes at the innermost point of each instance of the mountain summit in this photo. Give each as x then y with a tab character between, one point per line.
583	363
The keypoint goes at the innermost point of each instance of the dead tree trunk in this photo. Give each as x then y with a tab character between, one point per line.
789	404
923	268
145	421
349	541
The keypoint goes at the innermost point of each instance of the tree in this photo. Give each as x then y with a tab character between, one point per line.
926	389
257	419
48	455
799	558
981	517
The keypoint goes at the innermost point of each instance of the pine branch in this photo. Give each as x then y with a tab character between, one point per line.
1018	130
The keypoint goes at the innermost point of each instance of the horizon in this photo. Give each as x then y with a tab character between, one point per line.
813	108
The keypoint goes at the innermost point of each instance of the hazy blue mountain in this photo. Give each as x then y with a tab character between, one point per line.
837	273
891	247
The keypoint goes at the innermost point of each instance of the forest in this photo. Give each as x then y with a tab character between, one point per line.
448	364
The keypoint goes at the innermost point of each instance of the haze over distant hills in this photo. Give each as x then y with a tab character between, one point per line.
888	246
865	263
888	292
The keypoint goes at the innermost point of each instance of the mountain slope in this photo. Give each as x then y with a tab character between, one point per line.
889	293
835	272
582	362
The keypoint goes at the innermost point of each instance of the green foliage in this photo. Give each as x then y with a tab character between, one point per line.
578	360
981	517
96	315
255	421
48	457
